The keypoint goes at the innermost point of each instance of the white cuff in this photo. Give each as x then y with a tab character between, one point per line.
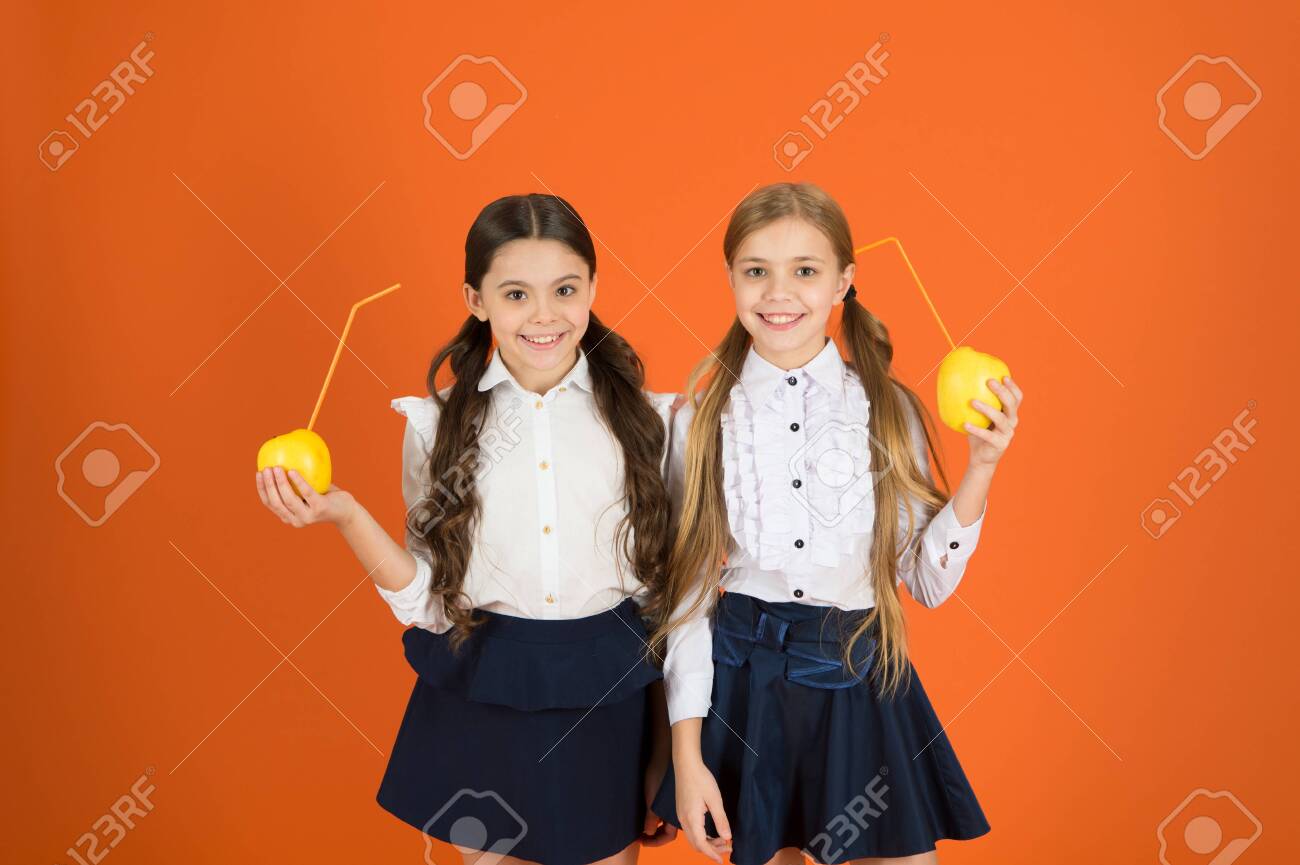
945	536
412	604
687	696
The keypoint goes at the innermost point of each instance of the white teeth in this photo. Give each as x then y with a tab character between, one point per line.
781	318
542	340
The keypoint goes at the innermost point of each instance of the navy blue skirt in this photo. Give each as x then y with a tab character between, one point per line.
532	741
811	757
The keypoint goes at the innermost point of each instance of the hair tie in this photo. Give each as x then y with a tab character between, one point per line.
851	293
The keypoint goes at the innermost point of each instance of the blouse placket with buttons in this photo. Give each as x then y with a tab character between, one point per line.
547	509
795	388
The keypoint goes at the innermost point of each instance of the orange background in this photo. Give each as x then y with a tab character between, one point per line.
1166	665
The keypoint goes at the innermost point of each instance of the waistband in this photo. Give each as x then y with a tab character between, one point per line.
626	614
777	623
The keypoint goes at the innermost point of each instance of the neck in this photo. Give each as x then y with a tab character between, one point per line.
792	358
539	381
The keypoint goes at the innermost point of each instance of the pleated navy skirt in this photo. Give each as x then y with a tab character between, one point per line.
811	757
532	741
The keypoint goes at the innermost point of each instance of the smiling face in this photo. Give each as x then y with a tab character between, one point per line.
786	279
537	297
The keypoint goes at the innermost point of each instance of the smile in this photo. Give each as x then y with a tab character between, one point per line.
542	341
781	320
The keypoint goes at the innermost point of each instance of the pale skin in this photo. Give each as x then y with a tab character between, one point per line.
537	297
786	280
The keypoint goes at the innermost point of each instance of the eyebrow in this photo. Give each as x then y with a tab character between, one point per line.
796	258
520	282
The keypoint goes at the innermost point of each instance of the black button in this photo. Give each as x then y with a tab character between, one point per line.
798	593
797	483
952	545
794	427
792	380
799	543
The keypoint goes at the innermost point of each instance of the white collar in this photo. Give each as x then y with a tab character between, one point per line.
759	376
496	372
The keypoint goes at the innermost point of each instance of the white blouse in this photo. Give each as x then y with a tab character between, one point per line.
798	480
550	479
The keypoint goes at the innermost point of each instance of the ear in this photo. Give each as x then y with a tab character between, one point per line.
474	301
846	279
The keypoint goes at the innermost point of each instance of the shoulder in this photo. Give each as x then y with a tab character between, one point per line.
663	403
421	413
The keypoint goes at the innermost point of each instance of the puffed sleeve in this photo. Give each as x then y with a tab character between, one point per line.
414	604
946	544
688	660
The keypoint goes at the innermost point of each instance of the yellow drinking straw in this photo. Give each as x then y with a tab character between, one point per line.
339	351
963	373
304	449
915	277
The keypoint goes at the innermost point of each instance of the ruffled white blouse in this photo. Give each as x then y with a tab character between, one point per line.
550	478
798	480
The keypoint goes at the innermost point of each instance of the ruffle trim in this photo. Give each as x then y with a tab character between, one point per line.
835	461
422	412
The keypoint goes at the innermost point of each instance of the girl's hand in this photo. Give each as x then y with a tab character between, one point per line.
335	506
656	831
988	445
697	793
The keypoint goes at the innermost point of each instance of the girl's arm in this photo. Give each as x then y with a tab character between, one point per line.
402	575
950	538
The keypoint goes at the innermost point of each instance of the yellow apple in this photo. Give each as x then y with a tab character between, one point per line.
303	450
963	376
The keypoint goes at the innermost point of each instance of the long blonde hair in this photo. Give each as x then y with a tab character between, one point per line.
703	535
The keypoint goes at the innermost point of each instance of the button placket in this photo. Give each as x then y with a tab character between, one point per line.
547	508
796	438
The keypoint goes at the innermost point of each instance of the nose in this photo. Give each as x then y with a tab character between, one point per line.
777	287
543	312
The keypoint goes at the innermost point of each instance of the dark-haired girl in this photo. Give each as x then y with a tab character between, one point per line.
799	726
538	527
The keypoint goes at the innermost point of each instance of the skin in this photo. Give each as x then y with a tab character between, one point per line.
533	287
789	267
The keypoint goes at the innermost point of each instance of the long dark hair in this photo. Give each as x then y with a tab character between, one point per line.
642	536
